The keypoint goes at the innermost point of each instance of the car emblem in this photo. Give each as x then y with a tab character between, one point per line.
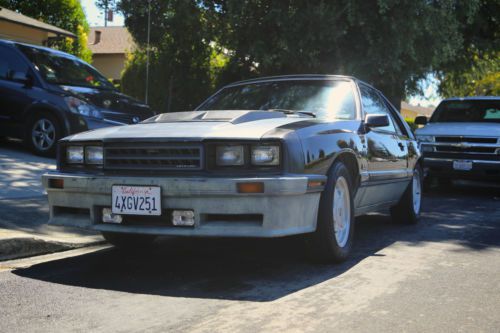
463	145
106	103
135	120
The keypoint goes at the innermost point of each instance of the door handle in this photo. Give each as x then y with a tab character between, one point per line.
401	146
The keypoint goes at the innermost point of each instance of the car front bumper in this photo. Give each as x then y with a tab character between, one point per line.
287	206
481	169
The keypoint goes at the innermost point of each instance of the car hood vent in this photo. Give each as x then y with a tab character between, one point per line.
231	116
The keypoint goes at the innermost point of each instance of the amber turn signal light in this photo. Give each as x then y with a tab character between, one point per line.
315	183
56	183
250	187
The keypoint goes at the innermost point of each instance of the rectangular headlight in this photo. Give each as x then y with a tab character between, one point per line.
93	155
230	155
425	138
74	154
427	149
266	155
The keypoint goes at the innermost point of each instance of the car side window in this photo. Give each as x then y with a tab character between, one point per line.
393	113
10	62
373	104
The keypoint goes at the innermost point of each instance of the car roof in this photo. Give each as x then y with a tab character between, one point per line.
472	98
297	77
43	48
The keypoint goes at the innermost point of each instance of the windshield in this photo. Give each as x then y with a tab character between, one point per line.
468	111
61	70
325	98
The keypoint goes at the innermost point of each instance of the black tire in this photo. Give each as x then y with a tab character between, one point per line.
405	212
33	143
128	241
323	244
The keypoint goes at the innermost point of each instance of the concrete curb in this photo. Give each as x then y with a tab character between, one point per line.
21	247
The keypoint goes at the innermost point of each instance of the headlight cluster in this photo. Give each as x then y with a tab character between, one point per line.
425	138
259	155
83	108
92	155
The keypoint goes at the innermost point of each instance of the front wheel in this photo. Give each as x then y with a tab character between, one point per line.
332	241
407	211
128	241
42	133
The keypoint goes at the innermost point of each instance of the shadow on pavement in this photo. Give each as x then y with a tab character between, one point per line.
20	171
265	270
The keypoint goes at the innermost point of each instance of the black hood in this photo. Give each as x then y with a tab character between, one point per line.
113	104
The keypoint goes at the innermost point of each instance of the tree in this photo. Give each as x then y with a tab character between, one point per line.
476	70
480	78
180	53
106	6
392	44
65	14
389	43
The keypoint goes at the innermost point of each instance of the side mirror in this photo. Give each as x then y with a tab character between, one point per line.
376	120
21	77
421	120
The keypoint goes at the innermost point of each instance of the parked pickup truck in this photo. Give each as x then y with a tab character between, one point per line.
462	139
268	157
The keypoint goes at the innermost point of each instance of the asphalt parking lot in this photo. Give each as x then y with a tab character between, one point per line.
440	275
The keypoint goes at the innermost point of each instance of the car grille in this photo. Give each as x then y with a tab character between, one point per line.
458	149
455	145
124	118
459	139
152	156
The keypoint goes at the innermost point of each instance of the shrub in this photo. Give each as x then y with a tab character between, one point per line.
412	124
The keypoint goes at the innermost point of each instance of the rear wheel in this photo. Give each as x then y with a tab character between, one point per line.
128	241
407	211
332	241
42	133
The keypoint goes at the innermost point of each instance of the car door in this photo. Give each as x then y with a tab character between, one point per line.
387	153
14	96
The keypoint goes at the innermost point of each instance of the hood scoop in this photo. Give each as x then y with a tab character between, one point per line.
232	116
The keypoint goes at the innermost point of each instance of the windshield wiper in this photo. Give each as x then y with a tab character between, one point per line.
285	111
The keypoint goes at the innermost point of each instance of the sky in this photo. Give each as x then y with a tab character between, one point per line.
430	97
96	18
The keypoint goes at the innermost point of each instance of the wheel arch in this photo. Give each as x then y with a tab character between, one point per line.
349	159
37	109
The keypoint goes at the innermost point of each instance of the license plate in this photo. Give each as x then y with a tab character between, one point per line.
136	200
462	165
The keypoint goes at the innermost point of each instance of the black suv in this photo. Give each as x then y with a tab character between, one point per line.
47	94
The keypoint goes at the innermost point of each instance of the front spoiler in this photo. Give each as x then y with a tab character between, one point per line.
287	206
481	169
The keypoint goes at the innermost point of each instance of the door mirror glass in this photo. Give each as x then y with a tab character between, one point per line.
376	120
22	78
421	120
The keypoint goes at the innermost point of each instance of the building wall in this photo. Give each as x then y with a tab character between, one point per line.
111	65
21	33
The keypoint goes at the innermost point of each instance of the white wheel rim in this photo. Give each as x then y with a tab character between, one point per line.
341	211
43	134
417	192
